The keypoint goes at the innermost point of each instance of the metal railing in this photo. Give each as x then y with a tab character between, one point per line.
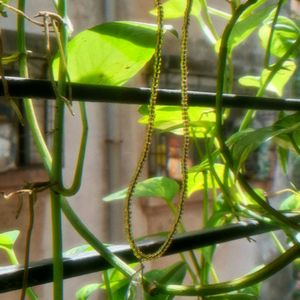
41	272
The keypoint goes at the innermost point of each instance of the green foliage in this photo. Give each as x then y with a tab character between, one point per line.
7	242
169	119
278	82
250	21
110	53
173	274
243	143
160	187
120	285
174	9
10	59
285	34
86	291
291	203
8	239
3	13
79	250
196	179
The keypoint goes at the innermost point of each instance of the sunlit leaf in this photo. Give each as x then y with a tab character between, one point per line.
243	143
291	203
216	12
173	274
288	128
8	239
169	119
86	291
79	250
174	9
249	293
250	20
3	13
283	155
233	296
196	179
284	36
10	59
160	187
110	53
278	82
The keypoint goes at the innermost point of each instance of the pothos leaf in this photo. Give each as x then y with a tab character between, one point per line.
160	187
173	274
8	239
285	34
249	21
85	292
291	203
245	142
196	180
2	7
174	9
169	119
278	82
110	53
79	250
288	129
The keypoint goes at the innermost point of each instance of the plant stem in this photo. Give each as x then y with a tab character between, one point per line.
56	170
209	23
232	285
191	253
109	292
286	223
275	68
28	107
57	246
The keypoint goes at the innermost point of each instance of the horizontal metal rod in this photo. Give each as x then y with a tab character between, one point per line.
41	272
20	87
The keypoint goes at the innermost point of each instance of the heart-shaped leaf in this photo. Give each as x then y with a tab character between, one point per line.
110	53
159	187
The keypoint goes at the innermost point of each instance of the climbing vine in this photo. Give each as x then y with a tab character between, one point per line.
219	171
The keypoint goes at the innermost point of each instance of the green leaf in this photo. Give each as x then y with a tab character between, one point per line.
291	203
236	296
285	34
160	187
2	8
278	82
169	119
249	293
9	238
118	283
174	9
79	250
10	59
110	53
243	143
283	155
249	21
216	12
173	274
196	179
86	291
287	128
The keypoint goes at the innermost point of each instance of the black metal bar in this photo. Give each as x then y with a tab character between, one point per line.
20	87
41	272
